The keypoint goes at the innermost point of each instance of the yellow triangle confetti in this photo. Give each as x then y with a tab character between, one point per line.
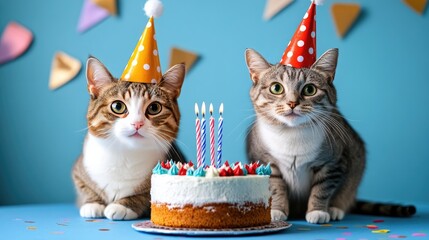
417	5
109	5
345	15
381	231
178	55
64	68
272	7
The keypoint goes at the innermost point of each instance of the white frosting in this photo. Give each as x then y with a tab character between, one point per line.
212	172
178	191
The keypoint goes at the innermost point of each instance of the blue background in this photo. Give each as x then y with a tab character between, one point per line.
382	82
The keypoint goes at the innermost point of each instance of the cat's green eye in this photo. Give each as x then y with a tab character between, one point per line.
309	90
118	107
154	108
276	88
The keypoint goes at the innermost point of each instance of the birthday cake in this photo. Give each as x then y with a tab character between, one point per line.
227	197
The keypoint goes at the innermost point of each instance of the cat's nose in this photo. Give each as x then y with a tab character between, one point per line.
292	104
138	125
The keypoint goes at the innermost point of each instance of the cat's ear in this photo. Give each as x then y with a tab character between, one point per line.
256	64
327	63
172	80
97	76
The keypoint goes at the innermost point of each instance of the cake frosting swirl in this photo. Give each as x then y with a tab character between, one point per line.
188	169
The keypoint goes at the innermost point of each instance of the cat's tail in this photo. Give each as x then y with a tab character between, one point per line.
383	209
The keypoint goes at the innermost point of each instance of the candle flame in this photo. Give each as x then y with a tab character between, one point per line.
203	109
221	109
196	109
211	109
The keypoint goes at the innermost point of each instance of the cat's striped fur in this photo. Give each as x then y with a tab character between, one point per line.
112	176
317	158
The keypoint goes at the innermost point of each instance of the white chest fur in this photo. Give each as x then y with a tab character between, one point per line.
118	170
295	150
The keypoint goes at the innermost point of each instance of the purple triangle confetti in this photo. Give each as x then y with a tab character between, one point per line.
90	15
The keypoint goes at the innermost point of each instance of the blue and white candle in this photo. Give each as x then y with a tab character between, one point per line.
219	137
203	134
198	136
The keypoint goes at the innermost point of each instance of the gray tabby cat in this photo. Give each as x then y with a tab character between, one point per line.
131	126
317	158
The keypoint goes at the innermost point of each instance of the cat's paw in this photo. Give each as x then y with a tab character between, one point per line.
92	210
115	211
277	215
317	216
336	214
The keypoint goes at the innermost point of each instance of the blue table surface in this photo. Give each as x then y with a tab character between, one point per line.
62	221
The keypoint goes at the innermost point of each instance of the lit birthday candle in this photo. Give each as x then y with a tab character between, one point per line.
219	137
203	134
212	137
198	135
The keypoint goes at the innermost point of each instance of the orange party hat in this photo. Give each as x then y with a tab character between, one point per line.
301	50
144	65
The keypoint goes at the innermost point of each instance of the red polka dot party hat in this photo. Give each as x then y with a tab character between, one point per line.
301	50
144	65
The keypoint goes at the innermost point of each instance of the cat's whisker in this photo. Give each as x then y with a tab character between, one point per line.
83	129
168	131
325	129
336	114
311	125
247	110
163	135
330	118
322	125
161	141
164	131
182	144
325	123
336	126
239	124
161	138
252	126
331	114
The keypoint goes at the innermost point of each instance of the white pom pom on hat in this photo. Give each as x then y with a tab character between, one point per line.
318	2
153	8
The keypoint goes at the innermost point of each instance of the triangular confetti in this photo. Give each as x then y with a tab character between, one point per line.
15	40
64	68
417	5
345	15
90	15
109	5
272	7
178	55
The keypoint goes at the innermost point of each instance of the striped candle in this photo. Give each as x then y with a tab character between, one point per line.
203	134
198	136
219	137
212	137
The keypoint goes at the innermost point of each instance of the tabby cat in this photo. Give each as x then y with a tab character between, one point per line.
317	158
131	126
